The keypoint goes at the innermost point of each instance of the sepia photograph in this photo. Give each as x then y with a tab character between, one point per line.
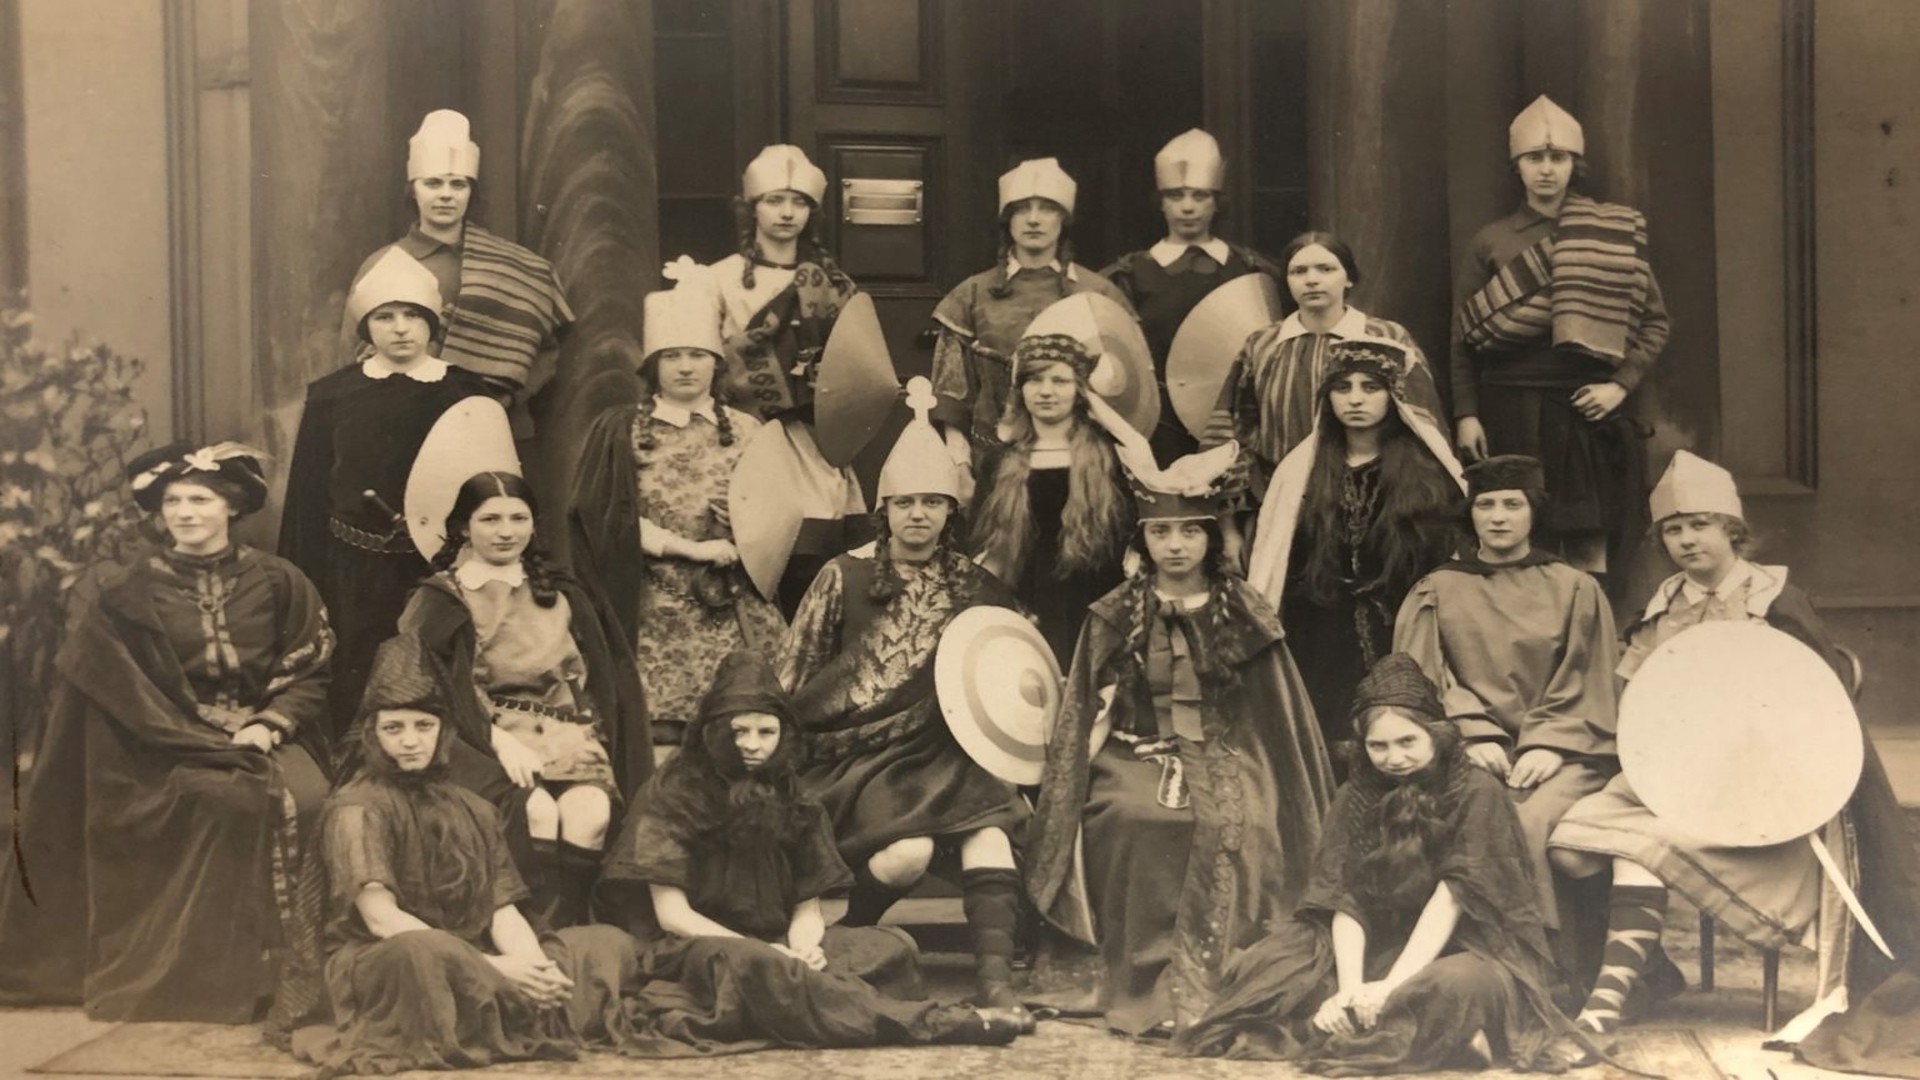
945	538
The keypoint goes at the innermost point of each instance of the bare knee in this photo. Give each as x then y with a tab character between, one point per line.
1627	872
585	812
902	863
543	815
988	849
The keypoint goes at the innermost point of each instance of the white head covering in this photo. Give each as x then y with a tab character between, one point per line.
395	277
442	145
1694	485
1037	178
1190	160
685	317
784	168
919	463
1544	126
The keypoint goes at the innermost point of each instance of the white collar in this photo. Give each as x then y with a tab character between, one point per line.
1167	252
1764	584
1351	325
681	415
476	572
1014	266
1183	603
425	369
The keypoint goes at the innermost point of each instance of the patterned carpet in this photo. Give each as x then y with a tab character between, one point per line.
1065	1051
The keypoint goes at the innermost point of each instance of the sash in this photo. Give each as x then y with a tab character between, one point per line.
781	344
509	309
1584	287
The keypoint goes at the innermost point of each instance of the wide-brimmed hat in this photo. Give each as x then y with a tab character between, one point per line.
235	468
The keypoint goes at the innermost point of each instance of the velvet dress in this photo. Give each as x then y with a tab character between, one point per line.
157	861
1493	975
1196	819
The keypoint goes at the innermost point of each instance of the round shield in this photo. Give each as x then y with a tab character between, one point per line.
471	437
761	507
1107	329
1209	339
1737	734
856	386
999	688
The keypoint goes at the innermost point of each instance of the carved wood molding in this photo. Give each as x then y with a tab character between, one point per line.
183	219
1800	303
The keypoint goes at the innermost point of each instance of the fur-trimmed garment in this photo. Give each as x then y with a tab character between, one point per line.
1167	894
162	859
1492	976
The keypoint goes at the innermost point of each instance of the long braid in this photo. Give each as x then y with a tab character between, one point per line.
722	420
746	238
643	428
886	581
1065	255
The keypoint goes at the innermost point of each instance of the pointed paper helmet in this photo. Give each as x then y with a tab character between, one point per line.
784	168
1694	485
1190	160
1041	178
684	317
395	277
443	145
1544	126
920	463
1190	489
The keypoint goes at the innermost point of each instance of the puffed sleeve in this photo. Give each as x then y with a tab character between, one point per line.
1416	632
1579	712
813	640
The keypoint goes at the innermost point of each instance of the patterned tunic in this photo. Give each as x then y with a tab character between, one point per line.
682	632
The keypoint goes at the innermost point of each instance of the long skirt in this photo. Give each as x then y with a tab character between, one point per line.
1540	809
426	999
1767	896
710	995
1136	854
923	785
1426	1024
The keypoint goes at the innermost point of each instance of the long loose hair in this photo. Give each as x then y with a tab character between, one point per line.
1407	820
1097	519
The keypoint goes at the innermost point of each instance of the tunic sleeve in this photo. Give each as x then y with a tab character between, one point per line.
354	844
815	862
814	638
1416	632
1327	891
1648	339
508	886
951	384
1236	418
296	691
1578	712
1468	278
656	854
303	521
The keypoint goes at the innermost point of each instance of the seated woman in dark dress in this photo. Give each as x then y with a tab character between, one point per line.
1200	802
160	826
430	964
1418	945
719	871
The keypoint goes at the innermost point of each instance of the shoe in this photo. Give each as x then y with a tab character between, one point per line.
1001	998
986	1027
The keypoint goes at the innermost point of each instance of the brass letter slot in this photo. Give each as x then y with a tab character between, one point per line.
880	202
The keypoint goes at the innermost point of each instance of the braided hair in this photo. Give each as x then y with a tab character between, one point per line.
544	578
953	566
811	250
1001	287
649	372
1129	664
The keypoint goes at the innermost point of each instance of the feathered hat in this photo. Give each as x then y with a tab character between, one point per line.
234	468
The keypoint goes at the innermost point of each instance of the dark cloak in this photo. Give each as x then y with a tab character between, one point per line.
1260	784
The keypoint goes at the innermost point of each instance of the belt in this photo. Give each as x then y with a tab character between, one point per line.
393	542
535	708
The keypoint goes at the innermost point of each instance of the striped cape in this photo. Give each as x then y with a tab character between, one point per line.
1585	286
509	309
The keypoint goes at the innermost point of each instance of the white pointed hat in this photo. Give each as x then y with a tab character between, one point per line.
395	277
1694	485
1190	159
1544	126
784	168
920	463
1037	178
444	144
684	317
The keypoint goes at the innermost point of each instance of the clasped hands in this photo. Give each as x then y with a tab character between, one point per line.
1350	1012
535	976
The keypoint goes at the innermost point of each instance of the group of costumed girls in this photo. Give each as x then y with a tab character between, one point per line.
501	872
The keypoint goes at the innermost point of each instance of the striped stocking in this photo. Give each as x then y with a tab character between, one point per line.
1633	930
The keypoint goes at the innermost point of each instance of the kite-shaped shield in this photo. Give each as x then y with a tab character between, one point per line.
1209	338
764	508
473	436
855	387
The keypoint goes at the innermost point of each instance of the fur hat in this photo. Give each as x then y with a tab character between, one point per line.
231	468
1397	682
1505	472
